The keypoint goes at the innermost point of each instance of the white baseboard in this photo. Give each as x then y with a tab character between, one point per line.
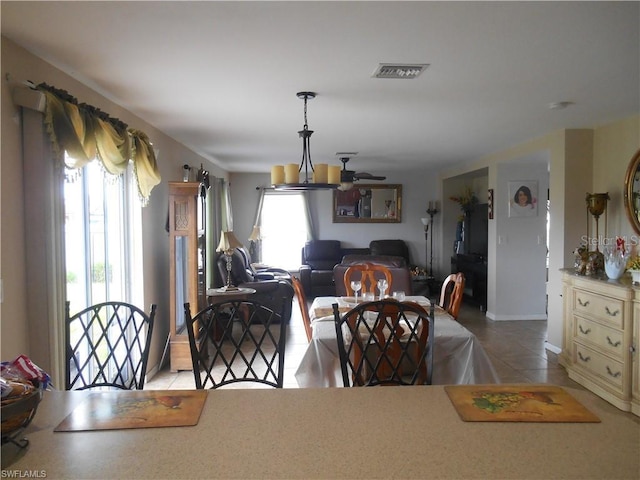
151	373
552	348
501	318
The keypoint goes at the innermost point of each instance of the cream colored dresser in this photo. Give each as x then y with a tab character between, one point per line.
601	330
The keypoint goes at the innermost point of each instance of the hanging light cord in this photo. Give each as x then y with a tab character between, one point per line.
305	134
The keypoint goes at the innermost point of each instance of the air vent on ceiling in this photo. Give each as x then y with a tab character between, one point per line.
395	70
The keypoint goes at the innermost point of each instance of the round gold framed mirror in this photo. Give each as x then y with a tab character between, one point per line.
632	192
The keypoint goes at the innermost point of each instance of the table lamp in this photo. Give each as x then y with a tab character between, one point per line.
228	242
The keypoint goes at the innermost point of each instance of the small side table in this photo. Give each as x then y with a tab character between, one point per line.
434	287
221	295
420	286
215	295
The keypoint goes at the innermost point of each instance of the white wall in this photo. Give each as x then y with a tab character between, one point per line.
520	252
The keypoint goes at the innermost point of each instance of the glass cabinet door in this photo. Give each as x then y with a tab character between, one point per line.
186	246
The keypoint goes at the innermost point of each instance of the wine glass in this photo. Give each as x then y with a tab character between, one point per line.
356	285
382	286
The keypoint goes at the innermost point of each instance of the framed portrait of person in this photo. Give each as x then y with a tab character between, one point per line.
523	198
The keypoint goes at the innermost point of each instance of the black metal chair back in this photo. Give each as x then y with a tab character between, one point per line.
385	343
236	341
107	345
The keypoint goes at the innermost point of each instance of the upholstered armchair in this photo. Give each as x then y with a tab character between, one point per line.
396	248
316	272
272	285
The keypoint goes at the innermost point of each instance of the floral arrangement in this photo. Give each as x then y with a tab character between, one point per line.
634	263
466	200
418	272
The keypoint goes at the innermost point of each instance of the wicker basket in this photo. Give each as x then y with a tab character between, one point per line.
17	413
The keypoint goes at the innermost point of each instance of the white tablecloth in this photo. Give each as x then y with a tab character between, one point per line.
458	357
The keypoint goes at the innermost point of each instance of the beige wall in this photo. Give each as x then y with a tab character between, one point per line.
613	147
580	161
18	66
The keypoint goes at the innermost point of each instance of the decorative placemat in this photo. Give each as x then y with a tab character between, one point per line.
517	403
123	409
328	311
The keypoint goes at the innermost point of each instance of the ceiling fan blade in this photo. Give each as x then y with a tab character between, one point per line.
367	176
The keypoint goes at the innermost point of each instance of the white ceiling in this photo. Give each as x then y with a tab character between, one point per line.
222	77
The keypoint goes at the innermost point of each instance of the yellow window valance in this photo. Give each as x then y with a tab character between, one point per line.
86	133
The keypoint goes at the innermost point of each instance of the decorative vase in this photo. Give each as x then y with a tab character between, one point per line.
614	270
615	262
635	276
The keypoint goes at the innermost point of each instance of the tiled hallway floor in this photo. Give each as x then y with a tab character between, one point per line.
516	349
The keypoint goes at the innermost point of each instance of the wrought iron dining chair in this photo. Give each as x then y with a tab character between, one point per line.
235	341
107	346
451	293
304	307
385	343
368	274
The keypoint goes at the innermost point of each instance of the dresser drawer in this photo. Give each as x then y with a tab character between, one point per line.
604	338
606	309
599	365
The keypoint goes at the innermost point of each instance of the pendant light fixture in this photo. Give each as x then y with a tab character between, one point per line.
323	176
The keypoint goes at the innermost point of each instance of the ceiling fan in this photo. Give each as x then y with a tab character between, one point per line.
347	177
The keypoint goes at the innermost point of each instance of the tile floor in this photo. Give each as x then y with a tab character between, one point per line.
516	349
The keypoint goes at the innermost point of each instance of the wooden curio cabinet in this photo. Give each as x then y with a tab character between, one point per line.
187	268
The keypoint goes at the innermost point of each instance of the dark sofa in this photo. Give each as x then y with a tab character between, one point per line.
319	257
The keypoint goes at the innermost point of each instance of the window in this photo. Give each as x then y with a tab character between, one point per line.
102	216
102	221
284	228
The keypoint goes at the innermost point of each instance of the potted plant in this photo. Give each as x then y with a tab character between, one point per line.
633	266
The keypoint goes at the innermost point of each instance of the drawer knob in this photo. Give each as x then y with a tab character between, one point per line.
611	313
584	359
583	304
614	375
582	331
616	344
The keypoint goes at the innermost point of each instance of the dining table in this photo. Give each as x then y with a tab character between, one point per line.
335	433
458	356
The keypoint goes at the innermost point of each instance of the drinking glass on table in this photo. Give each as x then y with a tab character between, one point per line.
382	286
356	285
399	295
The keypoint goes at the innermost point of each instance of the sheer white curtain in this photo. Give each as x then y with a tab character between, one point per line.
285	225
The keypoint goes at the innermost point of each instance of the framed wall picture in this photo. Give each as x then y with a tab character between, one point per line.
490	203
523	198
368	203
